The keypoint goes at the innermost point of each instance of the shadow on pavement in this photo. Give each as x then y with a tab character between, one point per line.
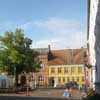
31	98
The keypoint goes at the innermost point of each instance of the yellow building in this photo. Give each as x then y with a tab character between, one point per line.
62	74
60	67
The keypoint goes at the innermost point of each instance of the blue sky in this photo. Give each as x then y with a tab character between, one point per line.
55	22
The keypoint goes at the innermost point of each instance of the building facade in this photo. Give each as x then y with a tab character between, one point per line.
58	67
66	66
94	41
41	76
62	74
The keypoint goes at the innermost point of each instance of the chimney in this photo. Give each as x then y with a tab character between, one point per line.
49	48
50	56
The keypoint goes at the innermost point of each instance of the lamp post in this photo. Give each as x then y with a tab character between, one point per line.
84	63
27	85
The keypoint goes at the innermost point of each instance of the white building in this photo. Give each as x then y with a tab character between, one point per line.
94	41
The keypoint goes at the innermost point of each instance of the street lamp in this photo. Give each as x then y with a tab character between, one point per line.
84	63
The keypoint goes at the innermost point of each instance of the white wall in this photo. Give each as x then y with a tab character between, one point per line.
94	42
93	12
92	38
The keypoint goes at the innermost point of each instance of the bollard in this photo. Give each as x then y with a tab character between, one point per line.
27	91
27	88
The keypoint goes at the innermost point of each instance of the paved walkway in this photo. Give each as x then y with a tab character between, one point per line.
76	94
39	93
31	98
47	93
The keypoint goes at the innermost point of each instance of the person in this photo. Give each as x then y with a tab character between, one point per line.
79	87
70	91
31	85
66	93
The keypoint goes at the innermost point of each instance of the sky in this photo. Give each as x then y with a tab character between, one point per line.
60	23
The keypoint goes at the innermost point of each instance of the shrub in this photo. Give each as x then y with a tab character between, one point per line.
94	97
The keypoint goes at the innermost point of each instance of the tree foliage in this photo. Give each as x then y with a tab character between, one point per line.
16	53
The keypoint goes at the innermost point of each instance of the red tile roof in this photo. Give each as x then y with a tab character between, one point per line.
67	56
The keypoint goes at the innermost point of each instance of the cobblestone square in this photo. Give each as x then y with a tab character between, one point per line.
52	94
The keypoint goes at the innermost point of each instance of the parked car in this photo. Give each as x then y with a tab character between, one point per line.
68	85
71	84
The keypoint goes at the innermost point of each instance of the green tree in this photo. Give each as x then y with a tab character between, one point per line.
16	53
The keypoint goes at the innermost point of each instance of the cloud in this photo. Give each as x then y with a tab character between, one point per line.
60	33
28	25
58	43
63	33
59	25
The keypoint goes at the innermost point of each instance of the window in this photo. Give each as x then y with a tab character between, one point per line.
68	80
52	70
32	78
42	66
83	78
59	79
83	86
40	78
63	79
72	70
59	70
80	70
73	79
66	70
78	79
